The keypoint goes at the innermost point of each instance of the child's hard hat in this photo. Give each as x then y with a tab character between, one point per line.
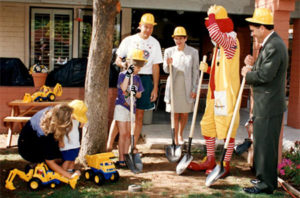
79	111
136	54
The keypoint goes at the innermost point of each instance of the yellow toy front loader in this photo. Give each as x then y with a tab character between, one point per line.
39	176
44	94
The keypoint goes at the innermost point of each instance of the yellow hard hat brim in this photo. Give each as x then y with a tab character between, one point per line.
141	23
179	35
139	59
253	20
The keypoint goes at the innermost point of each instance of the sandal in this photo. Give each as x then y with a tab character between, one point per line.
120	164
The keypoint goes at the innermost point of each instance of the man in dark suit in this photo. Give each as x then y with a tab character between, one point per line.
267	79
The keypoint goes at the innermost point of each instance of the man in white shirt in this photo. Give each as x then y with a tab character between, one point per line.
149	73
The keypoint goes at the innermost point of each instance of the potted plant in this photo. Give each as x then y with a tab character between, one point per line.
39	74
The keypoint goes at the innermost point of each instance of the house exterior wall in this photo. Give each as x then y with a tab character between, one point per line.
12	30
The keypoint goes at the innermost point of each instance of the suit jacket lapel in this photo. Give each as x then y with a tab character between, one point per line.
274	34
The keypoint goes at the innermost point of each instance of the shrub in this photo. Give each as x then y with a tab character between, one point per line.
289	168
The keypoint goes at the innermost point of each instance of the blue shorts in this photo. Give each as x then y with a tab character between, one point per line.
144	102
70	155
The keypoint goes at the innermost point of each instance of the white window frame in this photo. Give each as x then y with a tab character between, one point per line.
51	12
81	14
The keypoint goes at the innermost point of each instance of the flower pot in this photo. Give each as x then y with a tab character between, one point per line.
39	79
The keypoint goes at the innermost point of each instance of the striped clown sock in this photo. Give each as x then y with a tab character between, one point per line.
229	151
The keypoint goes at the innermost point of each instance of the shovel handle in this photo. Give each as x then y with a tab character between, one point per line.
197	101
236	108
172	96
131	107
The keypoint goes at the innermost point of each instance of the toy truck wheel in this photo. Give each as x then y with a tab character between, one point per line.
88	174
52	185
99	179
51	97
34	184
114	177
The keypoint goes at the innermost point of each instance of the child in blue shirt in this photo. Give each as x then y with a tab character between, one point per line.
122	108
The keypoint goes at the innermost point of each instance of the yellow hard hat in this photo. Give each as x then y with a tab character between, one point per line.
221	13
136	54
262	16
79	111
179	31
147	18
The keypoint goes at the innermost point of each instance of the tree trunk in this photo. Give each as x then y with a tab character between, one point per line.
97	77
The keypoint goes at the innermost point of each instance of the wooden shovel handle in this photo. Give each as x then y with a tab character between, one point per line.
131	107
172	96
197	101
236	108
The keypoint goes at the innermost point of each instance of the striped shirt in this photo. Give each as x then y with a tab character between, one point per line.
225	40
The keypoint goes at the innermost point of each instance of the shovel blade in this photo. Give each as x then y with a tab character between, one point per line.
173	153
184	163
134	162
214	175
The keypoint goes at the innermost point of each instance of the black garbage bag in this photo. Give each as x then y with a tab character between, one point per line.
114	70
14	73
72	74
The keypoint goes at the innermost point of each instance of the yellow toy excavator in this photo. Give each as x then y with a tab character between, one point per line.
44	94
39	176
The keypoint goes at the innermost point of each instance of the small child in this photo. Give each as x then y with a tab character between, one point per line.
122	108
70	144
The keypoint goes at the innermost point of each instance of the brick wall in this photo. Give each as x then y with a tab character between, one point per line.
294	97
8	94
12	31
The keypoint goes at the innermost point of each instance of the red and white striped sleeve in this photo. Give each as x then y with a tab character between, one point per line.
226	40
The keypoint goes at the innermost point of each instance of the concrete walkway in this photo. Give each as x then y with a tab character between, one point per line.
158	133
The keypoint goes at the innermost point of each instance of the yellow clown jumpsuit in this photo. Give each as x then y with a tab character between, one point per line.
227	82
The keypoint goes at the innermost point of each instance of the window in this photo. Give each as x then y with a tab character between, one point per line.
51	36
85	32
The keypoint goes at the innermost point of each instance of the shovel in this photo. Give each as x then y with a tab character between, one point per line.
173	152
187	158
219	170
133	160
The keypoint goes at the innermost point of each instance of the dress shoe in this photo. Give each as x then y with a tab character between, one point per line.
255	190
240	149
255	181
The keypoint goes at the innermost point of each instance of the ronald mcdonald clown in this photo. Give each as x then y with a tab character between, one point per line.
224	84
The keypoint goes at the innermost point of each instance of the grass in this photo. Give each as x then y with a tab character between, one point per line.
10	159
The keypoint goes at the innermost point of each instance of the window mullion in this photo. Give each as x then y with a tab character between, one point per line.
52	36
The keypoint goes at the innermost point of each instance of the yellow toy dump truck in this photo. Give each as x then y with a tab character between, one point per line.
39	176
101	168
44	94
